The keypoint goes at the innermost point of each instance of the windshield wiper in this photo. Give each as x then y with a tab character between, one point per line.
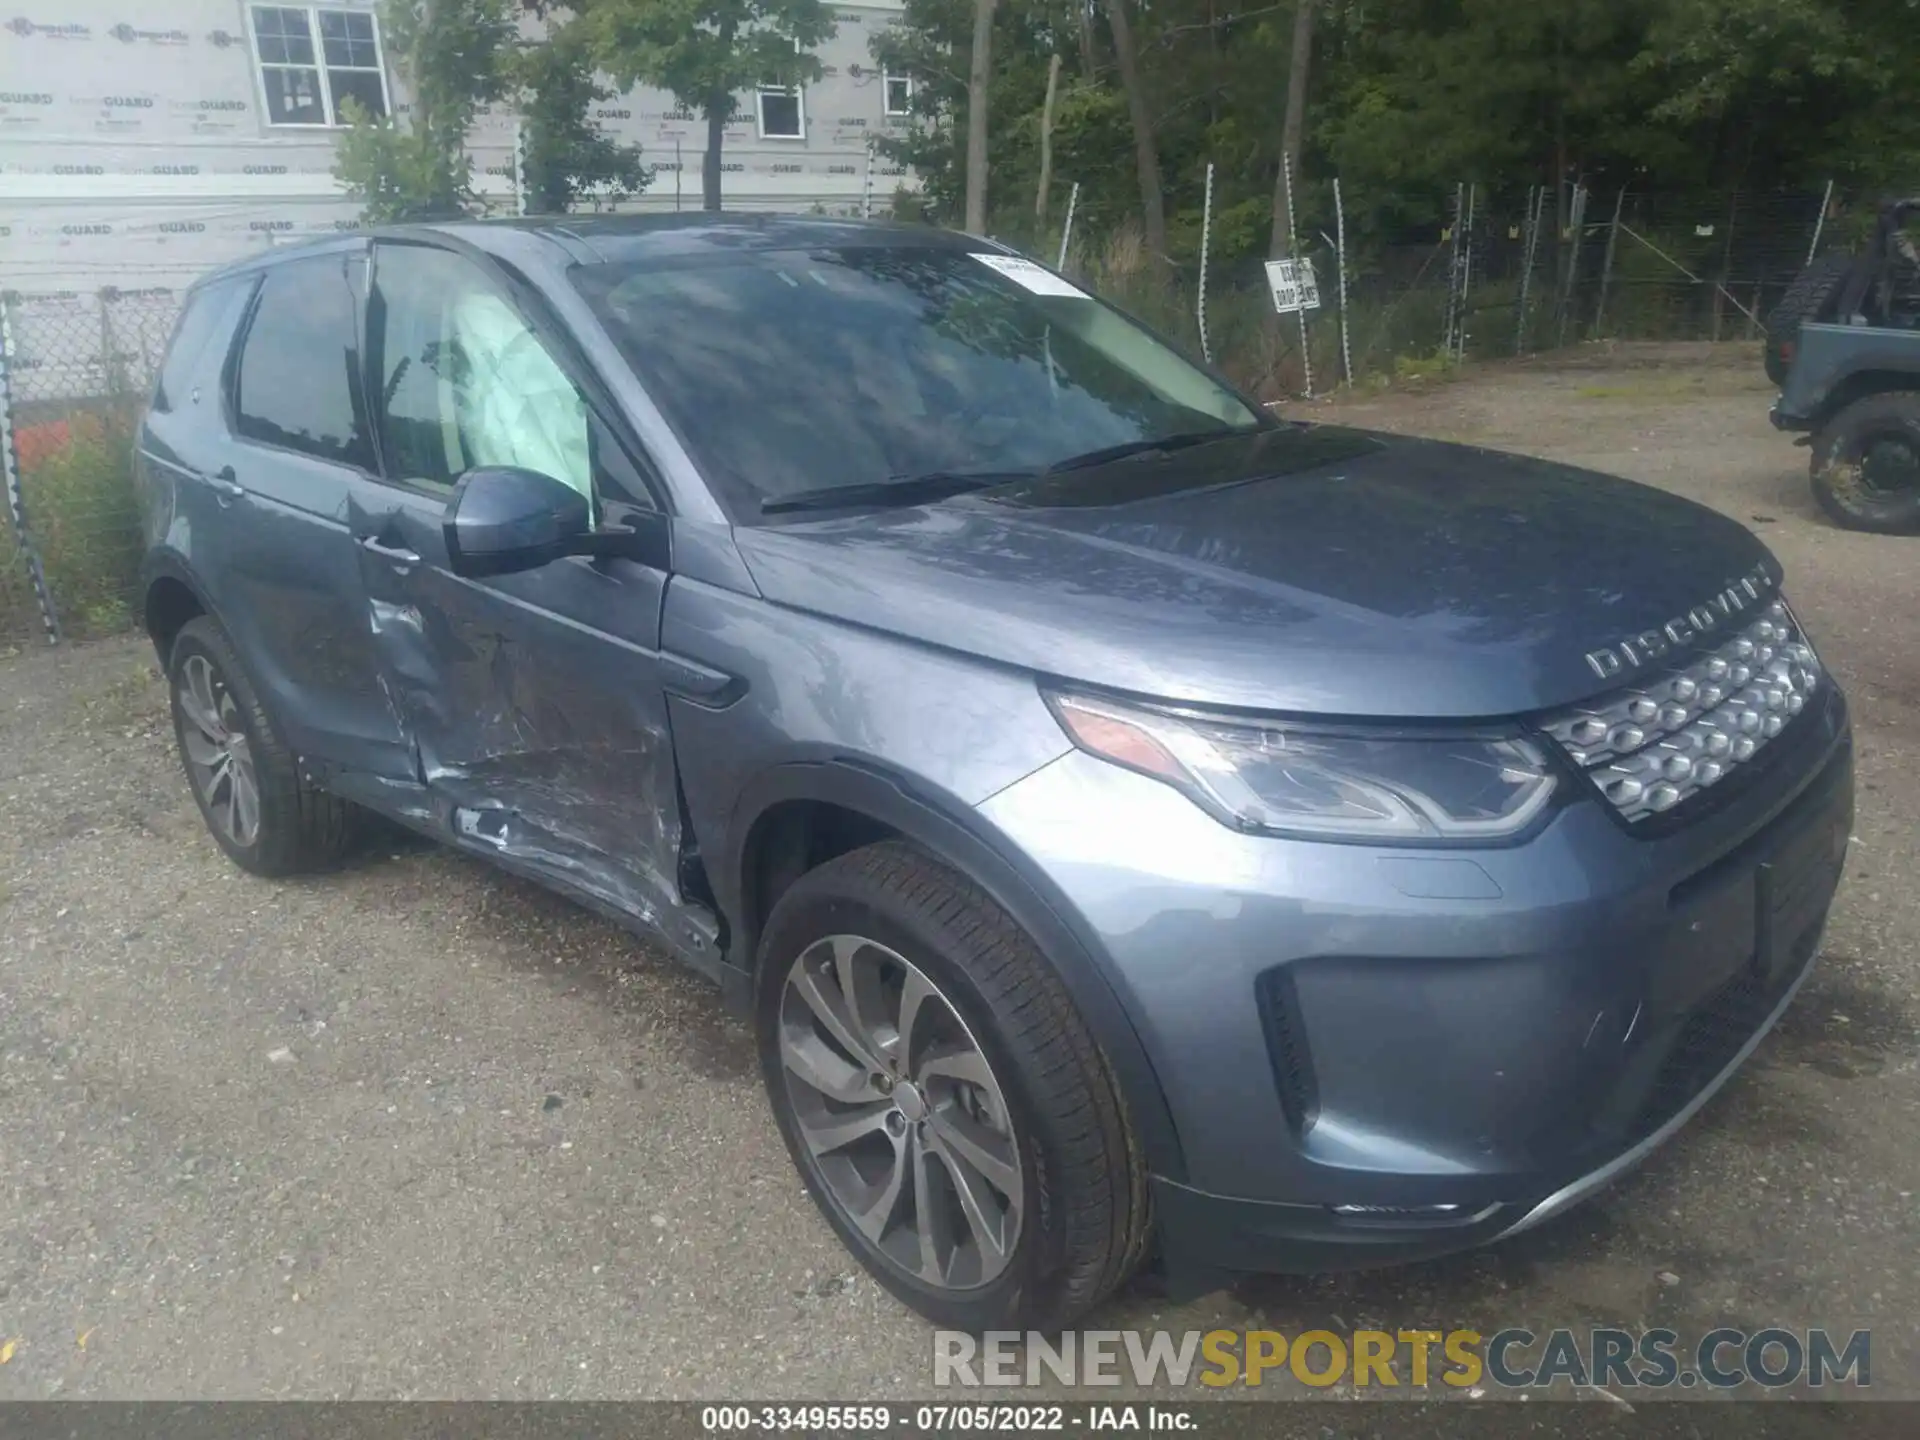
900	490
1142	447
941	484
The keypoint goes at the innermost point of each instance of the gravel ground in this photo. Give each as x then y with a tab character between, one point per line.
421	1130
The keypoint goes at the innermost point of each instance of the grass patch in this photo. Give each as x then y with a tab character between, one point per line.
84	515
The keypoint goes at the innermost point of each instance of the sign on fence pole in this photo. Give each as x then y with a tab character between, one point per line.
1294	286
10	462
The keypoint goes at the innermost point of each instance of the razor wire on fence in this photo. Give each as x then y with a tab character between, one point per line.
76	367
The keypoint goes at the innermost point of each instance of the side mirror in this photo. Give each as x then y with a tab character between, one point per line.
503	519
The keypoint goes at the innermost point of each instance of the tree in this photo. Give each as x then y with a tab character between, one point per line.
450	55
1046	144
706	52
565	155
1146	152
978	68
1299	69
1403	99
933	42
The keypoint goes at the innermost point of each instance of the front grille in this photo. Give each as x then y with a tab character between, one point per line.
1650	747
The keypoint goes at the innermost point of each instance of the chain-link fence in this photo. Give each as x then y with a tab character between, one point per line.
1511	272
78	367
1515	272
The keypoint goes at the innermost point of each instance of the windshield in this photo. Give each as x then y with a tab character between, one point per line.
791	371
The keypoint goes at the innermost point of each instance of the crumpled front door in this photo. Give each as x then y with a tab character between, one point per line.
533	701
534	704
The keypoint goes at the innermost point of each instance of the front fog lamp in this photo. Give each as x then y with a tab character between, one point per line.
1282	780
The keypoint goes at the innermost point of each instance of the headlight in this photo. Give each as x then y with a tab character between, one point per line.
1289	781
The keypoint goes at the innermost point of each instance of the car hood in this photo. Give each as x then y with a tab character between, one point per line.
1307	569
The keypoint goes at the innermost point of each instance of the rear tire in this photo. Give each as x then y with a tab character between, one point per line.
256	805
1067	1215
1810	299
1866	464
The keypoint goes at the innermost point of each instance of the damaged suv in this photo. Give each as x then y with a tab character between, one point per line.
1133	823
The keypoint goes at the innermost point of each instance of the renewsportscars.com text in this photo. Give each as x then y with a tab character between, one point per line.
1510	1359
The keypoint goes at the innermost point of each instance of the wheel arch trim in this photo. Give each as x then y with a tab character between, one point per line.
167	564
967	843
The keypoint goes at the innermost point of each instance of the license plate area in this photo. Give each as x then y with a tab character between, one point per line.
1792	889
1750	911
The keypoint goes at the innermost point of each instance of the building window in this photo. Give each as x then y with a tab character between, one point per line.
783	113
899	90
313	61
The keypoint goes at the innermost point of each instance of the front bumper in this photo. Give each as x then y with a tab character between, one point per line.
1377	1055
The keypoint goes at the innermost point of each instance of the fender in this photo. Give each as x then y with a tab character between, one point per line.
163	562
964	841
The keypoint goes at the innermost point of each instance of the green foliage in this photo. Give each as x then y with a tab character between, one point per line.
566	154
399	175
1092	142
85	519
1410	97
707	51
451	57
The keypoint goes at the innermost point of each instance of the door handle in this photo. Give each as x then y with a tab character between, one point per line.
396	554
226	484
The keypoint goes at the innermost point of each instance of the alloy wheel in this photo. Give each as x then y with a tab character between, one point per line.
218	756
908	1126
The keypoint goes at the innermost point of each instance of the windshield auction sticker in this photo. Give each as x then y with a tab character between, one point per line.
1029	276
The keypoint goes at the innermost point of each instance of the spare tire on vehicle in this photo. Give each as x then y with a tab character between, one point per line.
1811	297
1866	464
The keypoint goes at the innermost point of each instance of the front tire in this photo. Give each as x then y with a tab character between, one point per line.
244	778
949	1110
1866	464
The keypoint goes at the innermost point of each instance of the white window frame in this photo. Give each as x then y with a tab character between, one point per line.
887	82
319	66
798	92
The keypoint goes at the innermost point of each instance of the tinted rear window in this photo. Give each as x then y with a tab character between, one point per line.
299	382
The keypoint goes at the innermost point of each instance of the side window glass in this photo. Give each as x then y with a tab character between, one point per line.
207	319
464	381
299	375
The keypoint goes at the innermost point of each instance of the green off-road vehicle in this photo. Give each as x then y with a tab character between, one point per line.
1844	347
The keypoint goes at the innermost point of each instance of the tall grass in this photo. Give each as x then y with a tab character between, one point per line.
76	480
